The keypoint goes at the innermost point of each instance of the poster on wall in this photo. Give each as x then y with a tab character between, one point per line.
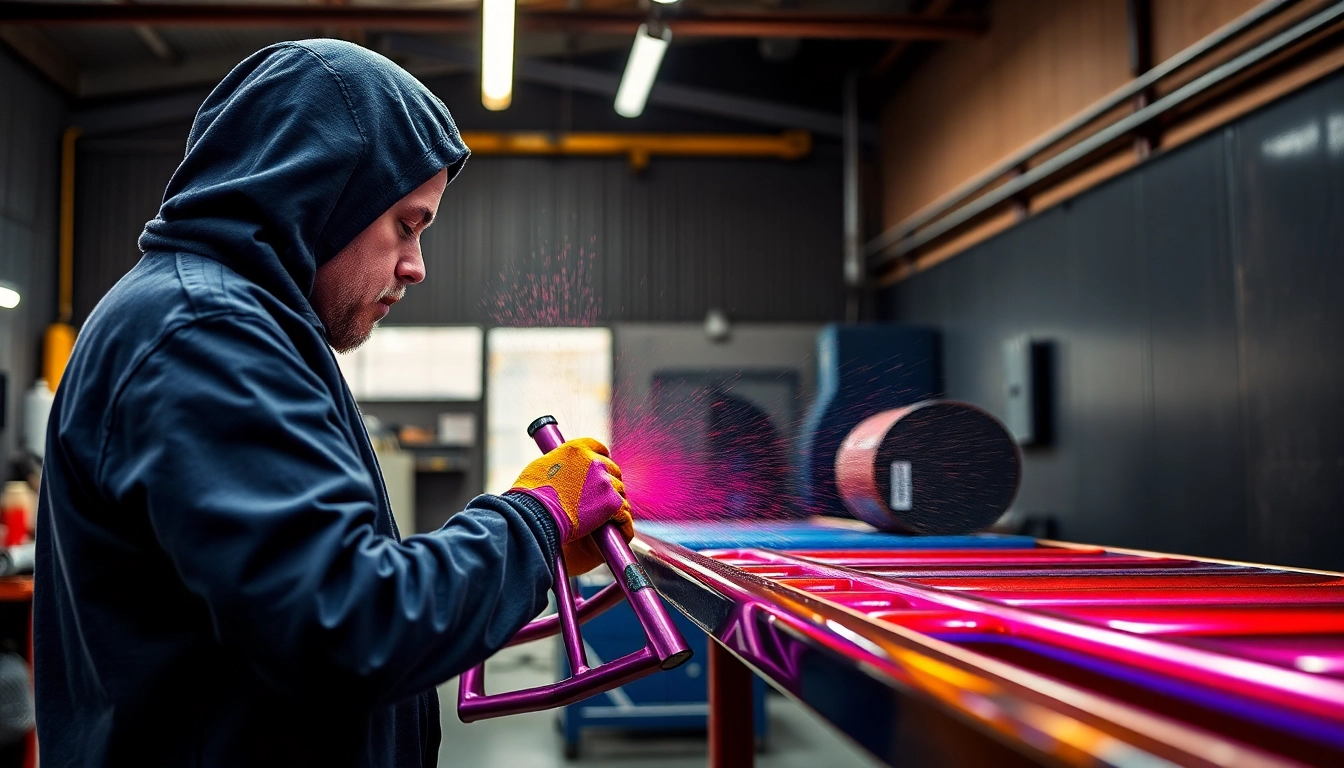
532	372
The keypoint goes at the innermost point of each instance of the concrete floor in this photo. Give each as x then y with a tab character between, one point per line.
796	738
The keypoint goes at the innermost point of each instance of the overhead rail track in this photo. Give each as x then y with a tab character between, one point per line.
775	23
962	206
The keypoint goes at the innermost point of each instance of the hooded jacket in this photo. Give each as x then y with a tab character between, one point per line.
219	579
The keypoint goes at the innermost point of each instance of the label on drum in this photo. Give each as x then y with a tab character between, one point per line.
900	486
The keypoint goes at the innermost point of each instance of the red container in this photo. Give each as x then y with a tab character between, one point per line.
16	525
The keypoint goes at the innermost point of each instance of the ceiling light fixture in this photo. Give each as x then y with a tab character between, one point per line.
497	17
9	295
645	57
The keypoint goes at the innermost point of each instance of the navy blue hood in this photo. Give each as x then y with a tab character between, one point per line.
203	446
294	153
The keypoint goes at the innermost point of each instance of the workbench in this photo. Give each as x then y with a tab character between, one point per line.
1012	651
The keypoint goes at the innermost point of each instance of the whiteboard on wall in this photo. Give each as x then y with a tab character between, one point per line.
531	372
416	363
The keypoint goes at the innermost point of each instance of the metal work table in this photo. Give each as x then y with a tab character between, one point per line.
1021	652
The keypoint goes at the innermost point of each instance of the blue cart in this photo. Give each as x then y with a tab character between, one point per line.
674	700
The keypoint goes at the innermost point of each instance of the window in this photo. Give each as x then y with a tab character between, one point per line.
416	363
531	372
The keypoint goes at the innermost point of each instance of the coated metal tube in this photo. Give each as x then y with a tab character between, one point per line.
548	438
662	634
569	623
666	642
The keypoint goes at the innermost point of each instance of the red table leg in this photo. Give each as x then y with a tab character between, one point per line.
731	735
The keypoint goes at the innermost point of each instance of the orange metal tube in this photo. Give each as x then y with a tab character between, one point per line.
639	147
67	235
59	340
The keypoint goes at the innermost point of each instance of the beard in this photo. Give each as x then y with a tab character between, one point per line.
346	297
348	317
349	329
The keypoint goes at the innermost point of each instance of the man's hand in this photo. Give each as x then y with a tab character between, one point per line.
581	487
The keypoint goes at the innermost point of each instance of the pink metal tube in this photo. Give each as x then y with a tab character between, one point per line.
569	624
583	610
664	647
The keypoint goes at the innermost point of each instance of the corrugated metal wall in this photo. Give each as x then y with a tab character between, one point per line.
32	115
1194	304
756	238
119	185
759	239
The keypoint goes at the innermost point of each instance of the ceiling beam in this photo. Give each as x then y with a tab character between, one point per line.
138	115
31	45
156	44
154	41
681	97
686	23
132	79
934	9
161	110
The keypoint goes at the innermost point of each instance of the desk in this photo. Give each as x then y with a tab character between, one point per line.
1044	653
16	589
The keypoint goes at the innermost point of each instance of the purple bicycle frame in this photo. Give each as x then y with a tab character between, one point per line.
664	646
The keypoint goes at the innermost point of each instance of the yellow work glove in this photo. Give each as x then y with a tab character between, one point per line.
581	487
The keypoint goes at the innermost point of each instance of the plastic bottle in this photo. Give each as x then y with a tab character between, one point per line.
14	512
36	408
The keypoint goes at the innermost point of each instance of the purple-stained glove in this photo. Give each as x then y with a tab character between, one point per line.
581	487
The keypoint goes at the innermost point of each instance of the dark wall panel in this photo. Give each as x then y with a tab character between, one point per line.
1194	308
1040	302
32	115
759	239
755	238
119	185
1195	448
1288	216
1107	377
1002	301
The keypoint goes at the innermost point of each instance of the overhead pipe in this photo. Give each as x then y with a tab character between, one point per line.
641	147
882	248
838	26
855	273
59	339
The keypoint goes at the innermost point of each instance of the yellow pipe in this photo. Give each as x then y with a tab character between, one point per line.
640	147
67	269
60	336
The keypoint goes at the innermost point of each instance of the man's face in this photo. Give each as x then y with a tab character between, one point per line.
355	290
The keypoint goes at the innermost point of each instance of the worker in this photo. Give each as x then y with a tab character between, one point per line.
219	578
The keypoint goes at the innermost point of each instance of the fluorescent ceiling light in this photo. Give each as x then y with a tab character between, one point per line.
497	53
9	296
645	57
665	2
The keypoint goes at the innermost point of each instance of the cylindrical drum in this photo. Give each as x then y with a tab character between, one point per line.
935	467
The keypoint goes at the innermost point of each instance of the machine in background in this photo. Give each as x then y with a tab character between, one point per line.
860	370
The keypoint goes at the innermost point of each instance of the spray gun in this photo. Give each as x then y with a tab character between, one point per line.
664	646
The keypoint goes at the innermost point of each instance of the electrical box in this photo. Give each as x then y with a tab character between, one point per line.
1026	390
